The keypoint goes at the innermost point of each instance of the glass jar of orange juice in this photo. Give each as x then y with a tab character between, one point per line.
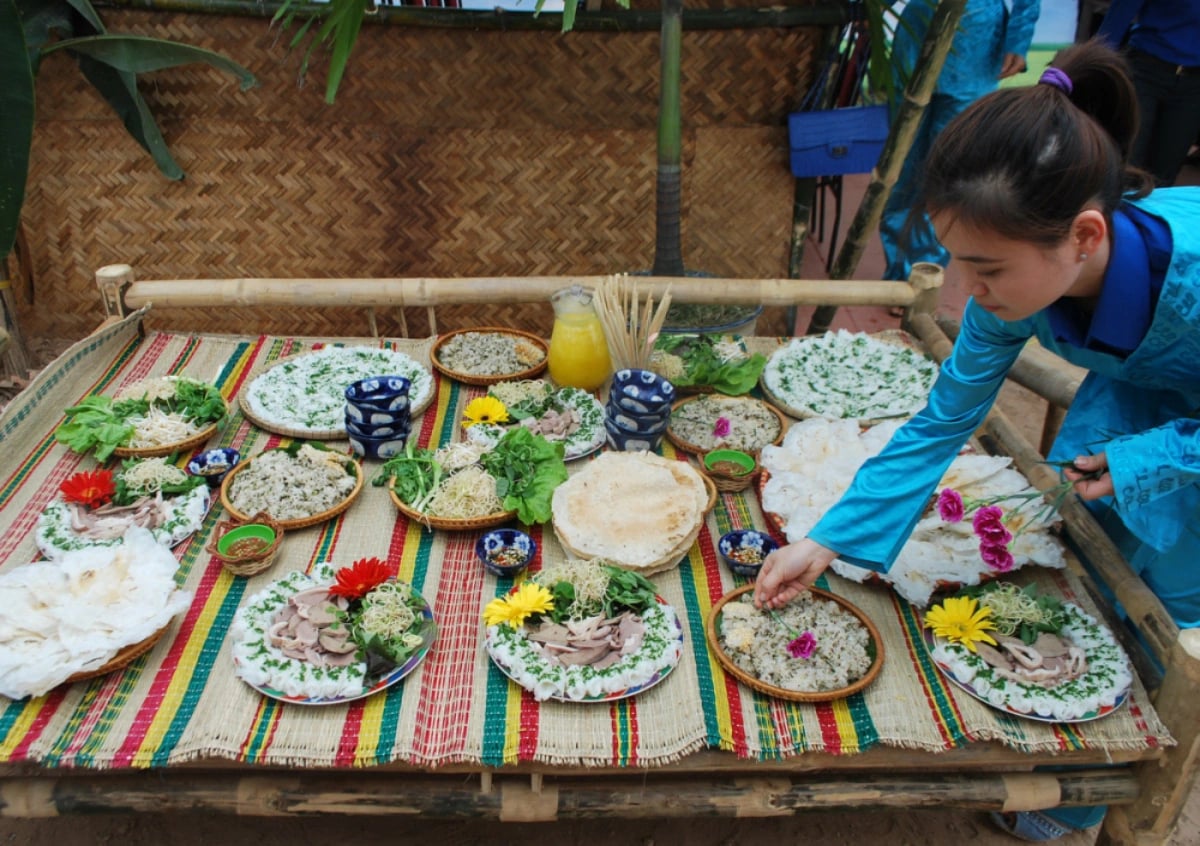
578	348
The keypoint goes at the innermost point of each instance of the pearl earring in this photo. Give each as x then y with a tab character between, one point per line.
1083	256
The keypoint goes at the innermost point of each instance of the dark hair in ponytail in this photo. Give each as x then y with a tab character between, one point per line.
1023	162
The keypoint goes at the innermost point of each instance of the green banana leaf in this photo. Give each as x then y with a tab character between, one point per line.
140	54
16	134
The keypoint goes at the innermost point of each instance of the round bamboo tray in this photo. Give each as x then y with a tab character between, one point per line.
297	522
474	379
895	337
246	565
123	658
688	446
710	488
188	444
338	433
450	524
714	644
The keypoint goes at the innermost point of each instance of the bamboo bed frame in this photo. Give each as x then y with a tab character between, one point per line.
1145	789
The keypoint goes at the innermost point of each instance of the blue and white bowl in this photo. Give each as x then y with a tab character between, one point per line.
395	429
381	448
214	464
642	392
750	545
378	389
364	416
510	543
636	423
624	441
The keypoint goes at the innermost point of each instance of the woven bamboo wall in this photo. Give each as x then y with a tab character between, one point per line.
448	153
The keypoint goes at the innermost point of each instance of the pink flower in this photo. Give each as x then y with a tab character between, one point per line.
803	646
722	427
950	505
989	526
996	556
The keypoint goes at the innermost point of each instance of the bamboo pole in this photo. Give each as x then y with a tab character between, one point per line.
519	797
917	93
421	291
817	13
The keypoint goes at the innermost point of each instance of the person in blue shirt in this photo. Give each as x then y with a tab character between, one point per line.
1059	238
989	45
1162	39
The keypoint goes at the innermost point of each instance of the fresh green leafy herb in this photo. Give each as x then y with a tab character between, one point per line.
704	367
527	468
415	472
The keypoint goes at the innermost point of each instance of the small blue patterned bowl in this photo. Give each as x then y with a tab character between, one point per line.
214	464
619	439
744	550
636	423
364	416
505	552
398	428
642	391
381	448
379	393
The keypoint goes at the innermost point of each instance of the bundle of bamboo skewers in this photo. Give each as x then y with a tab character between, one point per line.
630	328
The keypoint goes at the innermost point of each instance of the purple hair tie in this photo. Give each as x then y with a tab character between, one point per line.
1057	78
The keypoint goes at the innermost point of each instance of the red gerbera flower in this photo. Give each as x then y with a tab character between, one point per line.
89	488
360	578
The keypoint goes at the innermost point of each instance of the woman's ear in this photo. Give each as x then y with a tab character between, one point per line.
1089	231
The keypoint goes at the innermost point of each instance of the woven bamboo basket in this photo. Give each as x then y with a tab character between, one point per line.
297	522
674	437
122	659
714	643
246	565
450	524
474	379
729	483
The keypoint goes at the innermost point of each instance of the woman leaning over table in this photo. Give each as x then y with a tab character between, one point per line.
1059	239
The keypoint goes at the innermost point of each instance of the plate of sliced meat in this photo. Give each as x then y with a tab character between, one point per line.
569	415
1064	668
97	508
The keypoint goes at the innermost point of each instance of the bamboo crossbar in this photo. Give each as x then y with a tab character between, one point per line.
547	798
370	293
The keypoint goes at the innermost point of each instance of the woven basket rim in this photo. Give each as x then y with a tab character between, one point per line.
714	645
185	445
298	522
469	379
688	446
122	659
338	434
449	524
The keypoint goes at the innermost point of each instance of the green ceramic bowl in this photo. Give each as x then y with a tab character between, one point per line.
251	530
744	462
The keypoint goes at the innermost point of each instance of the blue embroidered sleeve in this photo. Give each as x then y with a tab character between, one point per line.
1018	35
1152	464
873	520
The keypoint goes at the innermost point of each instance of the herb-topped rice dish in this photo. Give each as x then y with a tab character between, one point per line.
294	482
811	645
850	376
583	631
304	395
488	353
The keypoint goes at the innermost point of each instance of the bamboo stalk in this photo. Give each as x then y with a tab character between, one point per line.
417	291
816	13
899	141
640	795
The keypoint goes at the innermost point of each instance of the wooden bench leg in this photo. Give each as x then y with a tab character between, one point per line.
1166	783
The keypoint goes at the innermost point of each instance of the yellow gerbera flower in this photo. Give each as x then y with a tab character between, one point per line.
961	620
484	410
518	606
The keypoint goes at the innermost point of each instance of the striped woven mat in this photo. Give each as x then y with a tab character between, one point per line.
182	701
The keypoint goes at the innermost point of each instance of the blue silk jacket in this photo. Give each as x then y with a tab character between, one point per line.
1143	410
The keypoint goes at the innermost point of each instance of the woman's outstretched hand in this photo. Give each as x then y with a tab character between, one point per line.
1091	476
789	570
